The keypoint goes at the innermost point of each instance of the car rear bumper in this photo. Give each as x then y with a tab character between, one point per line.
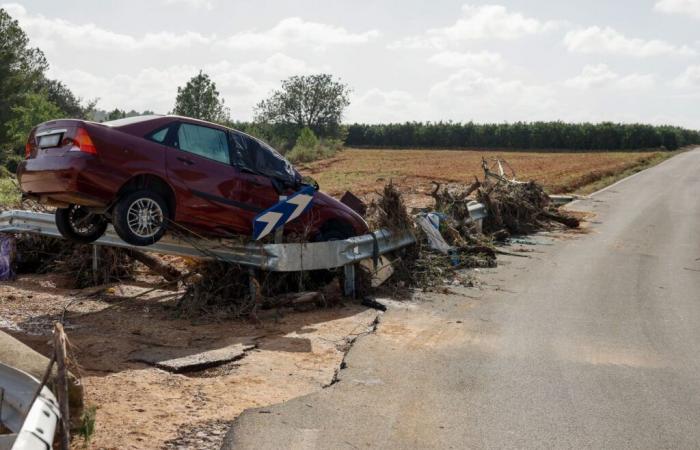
76	178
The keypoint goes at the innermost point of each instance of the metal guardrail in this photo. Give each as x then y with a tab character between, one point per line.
33	425
294	257
270	257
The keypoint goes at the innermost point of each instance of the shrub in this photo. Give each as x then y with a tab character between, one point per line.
308	147
11	162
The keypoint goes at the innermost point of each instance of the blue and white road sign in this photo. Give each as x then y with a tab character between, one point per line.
283	212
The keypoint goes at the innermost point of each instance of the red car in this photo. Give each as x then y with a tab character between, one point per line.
140	173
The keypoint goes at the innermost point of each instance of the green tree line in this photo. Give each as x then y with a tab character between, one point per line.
27	95
520	135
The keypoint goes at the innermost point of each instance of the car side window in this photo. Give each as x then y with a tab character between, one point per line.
159	135
207	142
243	158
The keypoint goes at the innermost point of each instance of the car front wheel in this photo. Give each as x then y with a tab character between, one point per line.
140	217
78	224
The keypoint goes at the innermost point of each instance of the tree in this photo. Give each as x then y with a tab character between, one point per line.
115	114
21	69
34	109
59	94
199	99
313	101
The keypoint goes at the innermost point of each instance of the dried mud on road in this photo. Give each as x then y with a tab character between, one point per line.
140	406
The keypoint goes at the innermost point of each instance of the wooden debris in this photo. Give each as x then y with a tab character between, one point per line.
61	380
155	264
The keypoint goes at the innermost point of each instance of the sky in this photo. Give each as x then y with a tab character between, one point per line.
405	60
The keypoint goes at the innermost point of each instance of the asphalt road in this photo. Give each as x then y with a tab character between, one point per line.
594	342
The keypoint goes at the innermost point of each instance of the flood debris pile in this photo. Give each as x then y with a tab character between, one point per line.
42	254
448	238
222	289
113	265
516	207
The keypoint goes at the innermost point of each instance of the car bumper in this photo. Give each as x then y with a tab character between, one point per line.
65	179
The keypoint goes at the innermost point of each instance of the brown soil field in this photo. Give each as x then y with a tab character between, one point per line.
365	171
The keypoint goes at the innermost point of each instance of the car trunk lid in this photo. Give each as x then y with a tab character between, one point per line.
58	137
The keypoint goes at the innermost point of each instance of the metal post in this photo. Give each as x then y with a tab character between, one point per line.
95	263
252	284
349	287
279	233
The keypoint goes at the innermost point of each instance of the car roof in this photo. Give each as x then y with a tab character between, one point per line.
131	120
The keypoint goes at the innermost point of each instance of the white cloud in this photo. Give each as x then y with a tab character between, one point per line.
686	7
690	78
472	95
377	106
607	40
241	85
294	30
196	4
478	60
601	76
478	22
46	33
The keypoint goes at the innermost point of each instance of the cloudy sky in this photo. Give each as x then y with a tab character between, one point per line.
576	60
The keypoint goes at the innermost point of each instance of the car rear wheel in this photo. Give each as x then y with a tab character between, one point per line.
78	224
140	217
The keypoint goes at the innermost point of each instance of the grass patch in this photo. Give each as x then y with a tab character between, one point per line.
10	195
87	424
609	178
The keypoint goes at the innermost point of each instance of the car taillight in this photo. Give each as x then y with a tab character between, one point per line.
83	143
27	149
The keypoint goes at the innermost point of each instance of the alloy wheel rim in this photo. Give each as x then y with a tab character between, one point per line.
82	220
144	217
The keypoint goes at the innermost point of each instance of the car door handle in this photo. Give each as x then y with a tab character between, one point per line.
189	162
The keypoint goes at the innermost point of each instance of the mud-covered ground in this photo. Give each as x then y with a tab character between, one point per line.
140	406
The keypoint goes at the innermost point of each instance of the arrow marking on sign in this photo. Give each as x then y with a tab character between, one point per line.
301	201
271	218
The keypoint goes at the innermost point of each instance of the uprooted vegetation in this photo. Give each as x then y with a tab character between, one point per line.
513	208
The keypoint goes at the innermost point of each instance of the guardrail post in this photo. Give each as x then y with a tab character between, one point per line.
349	285
95	263
252	285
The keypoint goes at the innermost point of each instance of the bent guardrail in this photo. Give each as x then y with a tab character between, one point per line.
32	425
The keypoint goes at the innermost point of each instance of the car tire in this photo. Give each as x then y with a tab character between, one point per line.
141	217
335	232
77	224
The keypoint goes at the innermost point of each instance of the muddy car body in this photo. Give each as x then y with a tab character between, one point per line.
146	173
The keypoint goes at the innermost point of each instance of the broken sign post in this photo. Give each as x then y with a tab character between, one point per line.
283	212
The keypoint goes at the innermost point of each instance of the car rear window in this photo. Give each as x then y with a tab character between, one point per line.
204	141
